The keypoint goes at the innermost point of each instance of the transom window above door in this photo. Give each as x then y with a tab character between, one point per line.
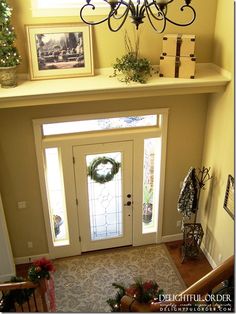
65	3
69	127
66	7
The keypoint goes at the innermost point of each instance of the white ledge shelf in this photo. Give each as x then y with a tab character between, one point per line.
209	79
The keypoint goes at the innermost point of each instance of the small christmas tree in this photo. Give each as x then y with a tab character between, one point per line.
9	55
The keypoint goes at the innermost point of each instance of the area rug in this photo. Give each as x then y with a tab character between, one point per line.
84	283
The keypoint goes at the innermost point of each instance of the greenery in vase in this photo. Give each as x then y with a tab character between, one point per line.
147	195
131	65
19	296
9	55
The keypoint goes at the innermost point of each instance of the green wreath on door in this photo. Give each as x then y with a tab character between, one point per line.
93	169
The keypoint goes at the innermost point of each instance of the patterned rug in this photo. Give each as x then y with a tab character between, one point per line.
84	283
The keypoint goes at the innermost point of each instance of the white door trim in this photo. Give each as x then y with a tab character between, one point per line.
65	143
7	266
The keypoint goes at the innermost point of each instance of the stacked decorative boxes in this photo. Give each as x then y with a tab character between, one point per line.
178	56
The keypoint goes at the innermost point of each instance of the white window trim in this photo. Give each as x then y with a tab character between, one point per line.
47	8
65	143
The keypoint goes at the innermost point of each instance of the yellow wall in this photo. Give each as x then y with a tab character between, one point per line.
108	45
18	168
219	144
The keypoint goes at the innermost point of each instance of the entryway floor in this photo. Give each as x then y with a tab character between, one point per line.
192	269
200	265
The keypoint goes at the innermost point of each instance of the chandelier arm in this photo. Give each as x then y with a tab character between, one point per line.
124	15
150	13
93	8
112	13
129	7
155	10
170	2
161	13
184	24
143	8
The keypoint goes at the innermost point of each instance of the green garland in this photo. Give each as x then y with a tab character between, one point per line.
39	269
142	291
18	296
93	170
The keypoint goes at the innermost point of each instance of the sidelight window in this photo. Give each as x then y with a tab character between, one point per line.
56	197
151	179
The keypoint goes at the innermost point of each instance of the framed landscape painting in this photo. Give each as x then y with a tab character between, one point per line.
229	196
59	50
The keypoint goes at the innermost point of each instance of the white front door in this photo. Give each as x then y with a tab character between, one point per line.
103	176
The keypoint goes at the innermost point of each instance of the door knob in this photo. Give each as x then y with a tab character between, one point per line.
128	203
129	195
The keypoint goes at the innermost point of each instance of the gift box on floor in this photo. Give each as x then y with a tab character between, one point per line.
178	45
175	66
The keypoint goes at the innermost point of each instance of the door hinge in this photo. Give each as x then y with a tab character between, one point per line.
76	201
73	160
79	238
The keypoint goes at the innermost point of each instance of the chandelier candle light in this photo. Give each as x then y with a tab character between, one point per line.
154	10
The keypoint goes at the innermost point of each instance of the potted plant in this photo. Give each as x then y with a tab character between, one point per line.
132	67
9	56
147	204
57	220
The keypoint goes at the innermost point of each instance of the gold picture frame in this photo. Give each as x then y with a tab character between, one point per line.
60	50
229	196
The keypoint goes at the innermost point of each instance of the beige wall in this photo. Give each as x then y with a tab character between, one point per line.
219	144
18	169
108	45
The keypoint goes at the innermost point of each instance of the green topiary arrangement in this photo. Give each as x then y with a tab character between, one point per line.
131	66
9	55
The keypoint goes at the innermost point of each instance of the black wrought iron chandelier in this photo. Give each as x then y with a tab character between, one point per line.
154	10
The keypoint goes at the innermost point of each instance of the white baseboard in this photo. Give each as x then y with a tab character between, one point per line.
6	277
172	237
208	257
29	259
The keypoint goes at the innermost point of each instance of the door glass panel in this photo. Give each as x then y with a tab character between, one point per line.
56	197
105	199
151	181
